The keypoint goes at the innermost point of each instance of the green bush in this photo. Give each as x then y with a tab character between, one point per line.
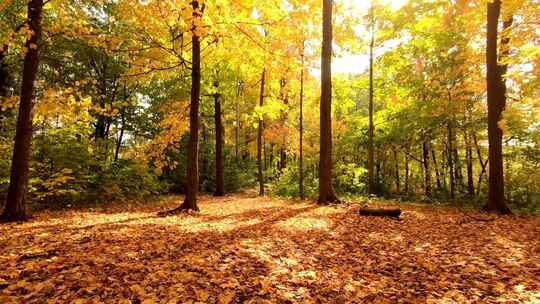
288	183
349	178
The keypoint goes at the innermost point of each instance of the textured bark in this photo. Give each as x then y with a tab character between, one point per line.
192	172
326	191
260	175
496	96
220	166
16	209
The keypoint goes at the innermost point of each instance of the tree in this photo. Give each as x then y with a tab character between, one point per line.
326	190
15	209
220	188
192	169
371	127
496	95
301	127
260	126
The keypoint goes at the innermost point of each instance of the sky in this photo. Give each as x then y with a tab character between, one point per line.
356	64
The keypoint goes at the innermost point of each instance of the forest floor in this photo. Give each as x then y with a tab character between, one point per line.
246	249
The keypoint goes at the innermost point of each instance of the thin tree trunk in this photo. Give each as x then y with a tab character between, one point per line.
237	127
396	170
496	92
120	137
4	73
437	173
451	172
260	138
326	191
407	171
469	160
371	128
301	127
4	79
16	205
427	171
483	164
220	167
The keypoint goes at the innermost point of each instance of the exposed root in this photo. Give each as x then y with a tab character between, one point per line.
185	208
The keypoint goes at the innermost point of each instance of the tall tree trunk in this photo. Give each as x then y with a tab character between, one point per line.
450	152
427	171
437	173
326	191
220	167
301	127
192	172
469	160
284	116
396	170
237	120
496	92
371	128
407	171
15	209
457	165
260	138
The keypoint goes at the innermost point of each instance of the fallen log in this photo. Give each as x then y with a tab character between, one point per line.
380	212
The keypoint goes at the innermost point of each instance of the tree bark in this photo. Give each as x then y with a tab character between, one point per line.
326	191
496	96
407	171
371	127
483	164
427	171
469	160
396	170
120	136
260	138
16	205
192	172
4	73
395	213
301	127
450	151
437	174
220	167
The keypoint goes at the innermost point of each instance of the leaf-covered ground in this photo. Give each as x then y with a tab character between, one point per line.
243	249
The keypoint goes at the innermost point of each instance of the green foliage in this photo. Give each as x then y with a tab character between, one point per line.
288	183
350	178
